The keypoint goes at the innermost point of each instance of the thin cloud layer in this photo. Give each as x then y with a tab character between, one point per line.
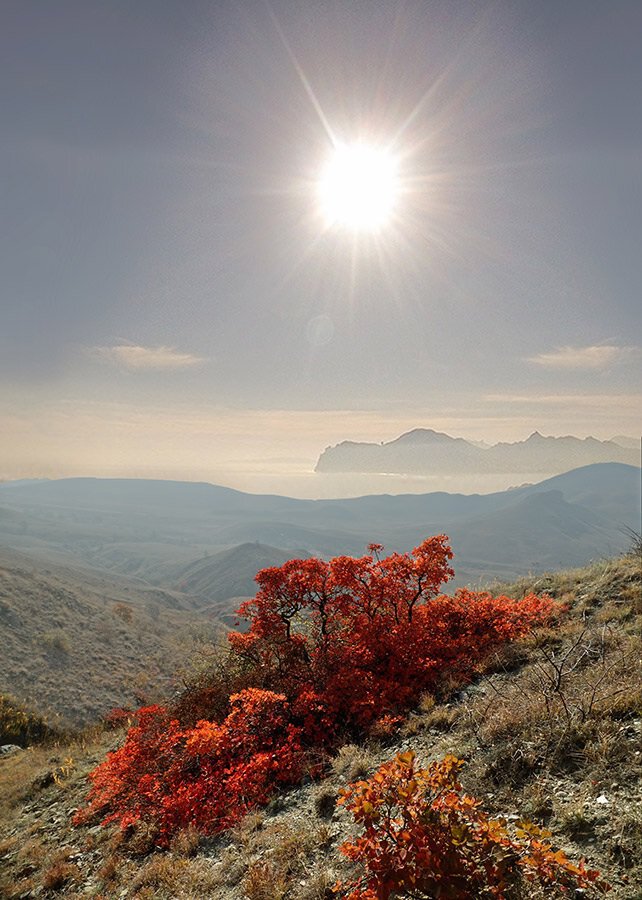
600	403
134	357
597	357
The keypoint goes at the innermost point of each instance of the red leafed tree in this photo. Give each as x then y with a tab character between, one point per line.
332	649
366	636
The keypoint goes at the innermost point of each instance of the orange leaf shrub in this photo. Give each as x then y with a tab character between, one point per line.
333	650
424	837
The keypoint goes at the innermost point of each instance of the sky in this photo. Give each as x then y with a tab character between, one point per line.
173	302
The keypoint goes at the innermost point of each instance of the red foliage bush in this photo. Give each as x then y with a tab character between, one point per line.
424	837
333	650
208	776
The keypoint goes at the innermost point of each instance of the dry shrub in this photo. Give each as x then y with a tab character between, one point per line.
246	833
508	658
116	838
537	801
449	685
318	887
231	866
385	728
264	882
207	693
22	726
186	842
325	801
7	845
290	845
625	844
142	839
56	642
59	873
606	746
160	871
563	710
110	869
575	820
279	857
353	762
442	718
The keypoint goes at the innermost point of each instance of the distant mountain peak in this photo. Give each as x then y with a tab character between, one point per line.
422	435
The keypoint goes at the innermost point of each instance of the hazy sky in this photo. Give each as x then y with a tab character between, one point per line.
172	301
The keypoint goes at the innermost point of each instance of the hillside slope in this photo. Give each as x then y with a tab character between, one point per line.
569	756
76	643
229	573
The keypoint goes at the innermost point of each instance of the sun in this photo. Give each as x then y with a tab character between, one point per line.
359	187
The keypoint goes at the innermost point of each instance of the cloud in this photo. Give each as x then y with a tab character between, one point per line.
133	357
597	357
598	402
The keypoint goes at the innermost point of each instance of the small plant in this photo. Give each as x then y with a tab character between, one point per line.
56	642
19	725
186	842
325	801
424	837
63	771
60	872
353	762
575	821
123	612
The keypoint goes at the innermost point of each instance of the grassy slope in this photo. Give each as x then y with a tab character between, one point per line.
569	757
75	644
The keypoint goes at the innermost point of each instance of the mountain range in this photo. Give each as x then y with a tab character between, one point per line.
176	534
427	452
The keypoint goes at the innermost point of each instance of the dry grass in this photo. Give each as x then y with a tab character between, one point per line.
625	841
186	842
18	771
60	872
72	655
166	875
285	856
325	801
566	709
558	722
353	763
430	715
44	784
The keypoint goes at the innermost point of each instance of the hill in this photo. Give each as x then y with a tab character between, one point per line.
229	574
428	452
153	530
550	731
75	643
